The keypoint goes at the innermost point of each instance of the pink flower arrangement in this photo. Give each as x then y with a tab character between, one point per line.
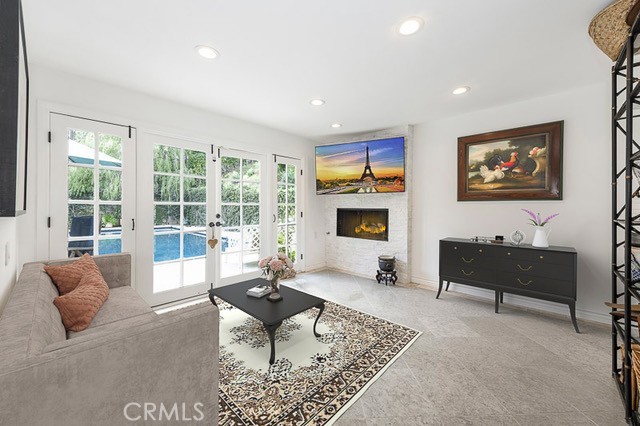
536	220
277	266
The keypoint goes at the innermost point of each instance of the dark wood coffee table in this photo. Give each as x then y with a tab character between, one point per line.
271	314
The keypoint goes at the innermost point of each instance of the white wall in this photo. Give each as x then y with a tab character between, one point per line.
98	100
8	241
584	220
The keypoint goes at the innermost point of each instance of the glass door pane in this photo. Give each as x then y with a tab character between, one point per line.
241	219
288	215
93	160
179	217
174	261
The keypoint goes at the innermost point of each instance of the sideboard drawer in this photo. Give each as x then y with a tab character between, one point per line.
538	284
468	272
465	254
555	257
538	269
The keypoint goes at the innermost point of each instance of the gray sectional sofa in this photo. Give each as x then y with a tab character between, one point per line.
129	363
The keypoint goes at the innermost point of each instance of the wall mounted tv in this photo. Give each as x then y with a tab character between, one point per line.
366	167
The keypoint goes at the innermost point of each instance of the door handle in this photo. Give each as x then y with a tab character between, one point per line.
274	218
212	224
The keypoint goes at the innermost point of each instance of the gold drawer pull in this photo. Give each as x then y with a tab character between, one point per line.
524	269
480	250
469	274
541	257
467	261
455	248
509	254
527	283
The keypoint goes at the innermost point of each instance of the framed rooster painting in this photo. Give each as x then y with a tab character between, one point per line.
515	164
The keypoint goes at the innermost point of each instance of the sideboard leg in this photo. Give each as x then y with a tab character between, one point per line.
501	297
439	288
572	311
447	288
497	296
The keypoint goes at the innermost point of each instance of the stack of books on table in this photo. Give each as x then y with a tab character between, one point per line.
259	291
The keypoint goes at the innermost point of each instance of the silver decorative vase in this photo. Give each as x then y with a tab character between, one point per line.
275	291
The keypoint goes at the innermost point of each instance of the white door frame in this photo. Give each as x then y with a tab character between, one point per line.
299	265
145	234
265	202
58	180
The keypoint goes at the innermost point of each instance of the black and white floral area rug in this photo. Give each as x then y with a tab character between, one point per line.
314	379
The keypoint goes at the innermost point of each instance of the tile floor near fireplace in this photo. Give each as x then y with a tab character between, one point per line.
473	367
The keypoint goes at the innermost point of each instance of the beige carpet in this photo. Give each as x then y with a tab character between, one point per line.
313	380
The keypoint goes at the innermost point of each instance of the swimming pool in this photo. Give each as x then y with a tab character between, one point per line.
166	246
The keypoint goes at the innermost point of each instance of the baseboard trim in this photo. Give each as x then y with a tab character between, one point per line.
356	274
314	268
521	301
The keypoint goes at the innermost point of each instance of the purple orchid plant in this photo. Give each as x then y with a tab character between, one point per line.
536	220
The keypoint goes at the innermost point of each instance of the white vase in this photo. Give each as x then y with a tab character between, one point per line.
540	238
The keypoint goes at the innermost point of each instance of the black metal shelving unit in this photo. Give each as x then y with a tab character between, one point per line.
625	96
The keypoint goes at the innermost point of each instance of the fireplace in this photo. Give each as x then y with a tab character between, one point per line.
369	224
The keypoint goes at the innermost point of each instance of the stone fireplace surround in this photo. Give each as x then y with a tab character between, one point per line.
360	256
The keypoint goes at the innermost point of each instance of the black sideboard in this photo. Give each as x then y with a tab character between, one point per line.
547	274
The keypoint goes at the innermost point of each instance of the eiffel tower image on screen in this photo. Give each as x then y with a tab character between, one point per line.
367	169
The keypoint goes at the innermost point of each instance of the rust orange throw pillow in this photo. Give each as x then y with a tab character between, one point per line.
67	277
78	307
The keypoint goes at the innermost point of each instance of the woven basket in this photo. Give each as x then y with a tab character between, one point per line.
609	28
635	375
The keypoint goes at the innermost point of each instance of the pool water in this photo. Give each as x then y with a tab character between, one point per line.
166	246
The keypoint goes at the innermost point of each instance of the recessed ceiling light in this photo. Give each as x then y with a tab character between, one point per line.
336	125
316	102
410	26
461	90
207	52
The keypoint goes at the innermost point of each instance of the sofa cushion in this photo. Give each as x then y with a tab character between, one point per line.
67	277
30	320
123	303
79	307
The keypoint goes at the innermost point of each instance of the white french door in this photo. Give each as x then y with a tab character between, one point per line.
92	187
241	205
176	199
288	216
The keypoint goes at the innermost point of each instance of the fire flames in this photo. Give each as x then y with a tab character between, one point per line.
371	228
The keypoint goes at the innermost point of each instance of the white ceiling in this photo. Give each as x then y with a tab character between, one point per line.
278	54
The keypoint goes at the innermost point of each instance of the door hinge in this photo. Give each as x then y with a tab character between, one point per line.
300	172
49	137
129	132
301	214
213	156
275	159
218	152
301	256
49	222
